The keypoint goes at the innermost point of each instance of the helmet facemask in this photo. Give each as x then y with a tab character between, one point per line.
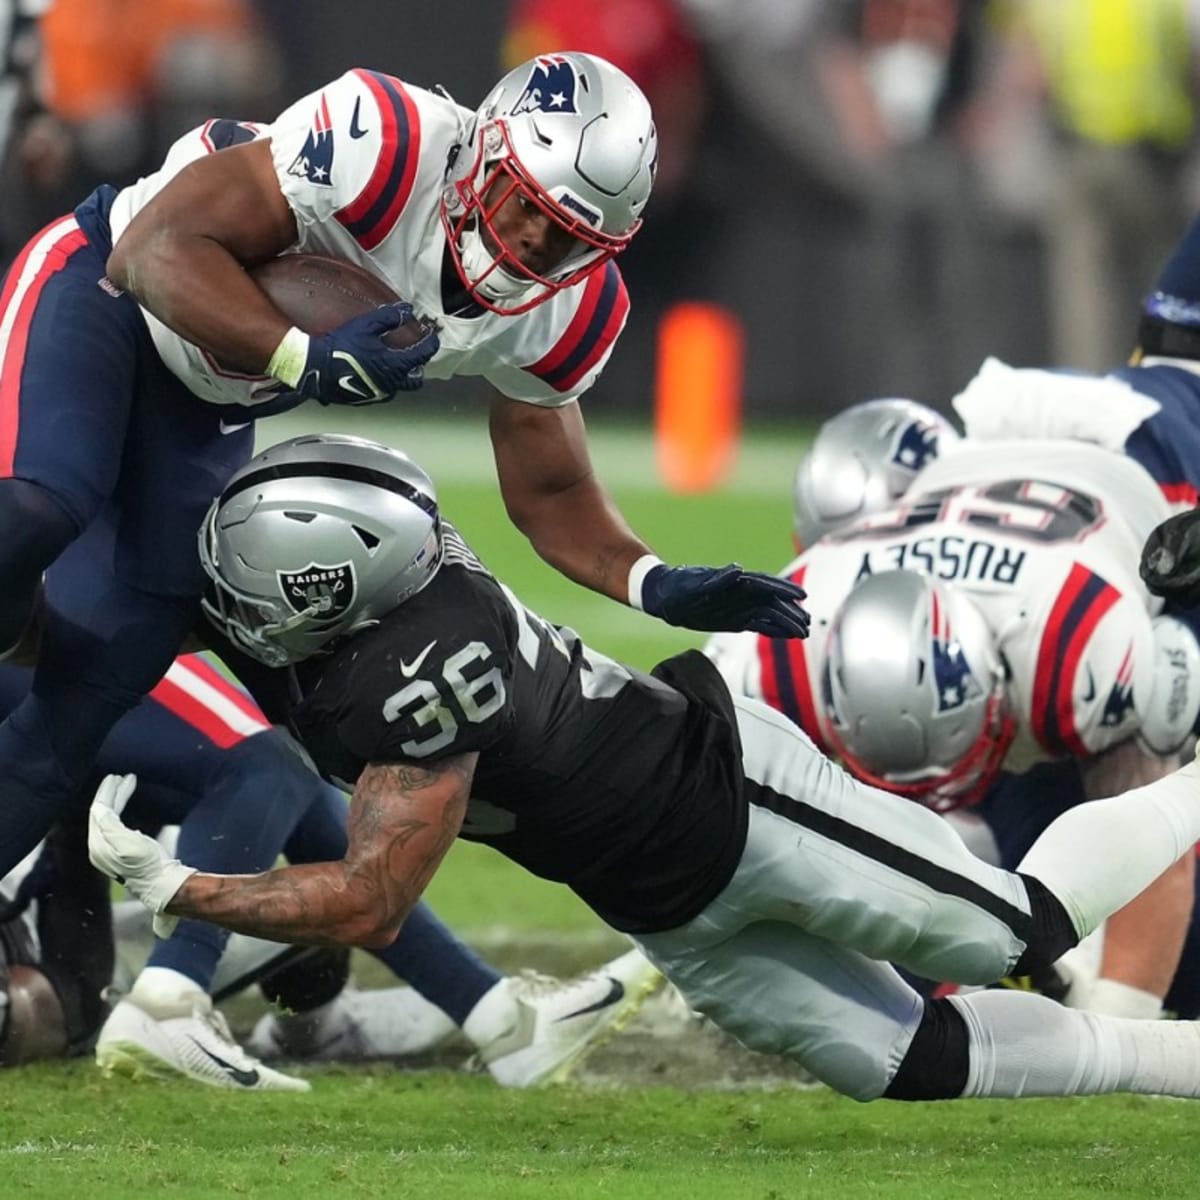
944	789
491	272
568	136
270	629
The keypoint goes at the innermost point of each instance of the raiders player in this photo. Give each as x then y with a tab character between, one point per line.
769	885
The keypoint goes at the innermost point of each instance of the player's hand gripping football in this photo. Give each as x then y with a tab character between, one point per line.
354	363
1170	565
132	858
725	598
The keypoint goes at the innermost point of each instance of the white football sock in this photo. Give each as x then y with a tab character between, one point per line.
1022	1044
164	983
1098	856
495	1013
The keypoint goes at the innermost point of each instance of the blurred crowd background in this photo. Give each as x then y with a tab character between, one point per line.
882	191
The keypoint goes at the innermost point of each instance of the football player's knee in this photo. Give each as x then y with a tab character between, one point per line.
1051	933
35	528
267	766
34	531
938	1058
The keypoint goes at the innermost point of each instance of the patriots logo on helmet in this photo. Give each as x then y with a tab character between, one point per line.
315	160
1120	697
328	590
952	675
550	87
916	445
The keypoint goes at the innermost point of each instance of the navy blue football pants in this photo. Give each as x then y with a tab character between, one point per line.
103	450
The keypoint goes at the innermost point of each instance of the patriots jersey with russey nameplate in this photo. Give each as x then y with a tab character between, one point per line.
573	747
1044	537
362	163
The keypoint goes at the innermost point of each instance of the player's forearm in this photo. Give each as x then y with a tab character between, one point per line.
581	533
196	288
320	903
182	254
404	817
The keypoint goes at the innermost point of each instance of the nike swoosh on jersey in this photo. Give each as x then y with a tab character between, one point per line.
615	995
228	429
356	130
408	670
237	1074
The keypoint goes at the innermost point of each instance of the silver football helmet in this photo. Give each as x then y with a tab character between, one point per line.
314	539
861	461
914	690
574	137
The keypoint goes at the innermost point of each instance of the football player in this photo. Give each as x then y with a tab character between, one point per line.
766	882
1011	536
987	523
241	794
136	350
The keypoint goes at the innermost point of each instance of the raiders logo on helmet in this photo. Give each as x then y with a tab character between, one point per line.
325	591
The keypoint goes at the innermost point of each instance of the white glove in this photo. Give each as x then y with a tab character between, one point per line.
132	858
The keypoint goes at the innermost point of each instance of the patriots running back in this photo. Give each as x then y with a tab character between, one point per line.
362	163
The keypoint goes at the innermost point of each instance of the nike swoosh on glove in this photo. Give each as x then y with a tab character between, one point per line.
352	364
1170	565
725	598
139	862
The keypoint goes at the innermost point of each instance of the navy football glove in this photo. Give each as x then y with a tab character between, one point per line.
352	364
725	598
1170	565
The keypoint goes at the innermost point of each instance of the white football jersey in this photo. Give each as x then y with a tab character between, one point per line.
361	163
1045	538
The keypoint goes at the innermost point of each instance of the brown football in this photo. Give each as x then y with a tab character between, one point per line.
317	294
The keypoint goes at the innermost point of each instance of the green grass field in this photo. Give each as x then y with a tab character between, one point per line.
434	1134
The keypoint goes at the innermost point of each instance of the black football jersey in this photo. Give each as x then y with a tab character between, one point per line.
622	785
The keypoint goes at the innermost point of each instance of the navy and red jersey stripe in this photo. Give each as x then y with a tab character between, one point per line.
198	694
50	250
784	677
593	329
373	213
1081	605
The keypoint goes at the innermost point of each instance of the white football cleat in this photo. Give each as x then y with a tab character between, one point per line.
380	1023
531	1029
153	1034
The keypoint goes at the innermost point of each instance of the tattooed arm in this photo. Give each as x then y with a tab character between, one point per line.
403	819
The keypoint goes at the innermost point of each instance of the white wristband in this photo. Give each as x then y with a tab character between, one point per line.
1116	999
637	576
287	363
